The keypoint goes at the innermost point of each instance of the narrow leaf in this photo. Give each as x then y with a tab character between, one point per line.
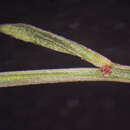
50	40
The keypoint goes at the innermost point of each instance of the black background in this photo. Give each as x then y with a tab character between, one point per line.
102	25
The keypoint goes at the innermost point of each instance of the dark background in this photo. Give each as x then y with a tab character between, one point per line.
102	25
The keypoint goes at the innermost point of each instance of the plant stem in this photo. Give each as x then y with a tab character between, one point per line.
20	78
107	71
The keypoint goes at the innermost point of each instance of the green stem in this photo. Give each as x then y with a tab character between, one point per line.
20	78
28	33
